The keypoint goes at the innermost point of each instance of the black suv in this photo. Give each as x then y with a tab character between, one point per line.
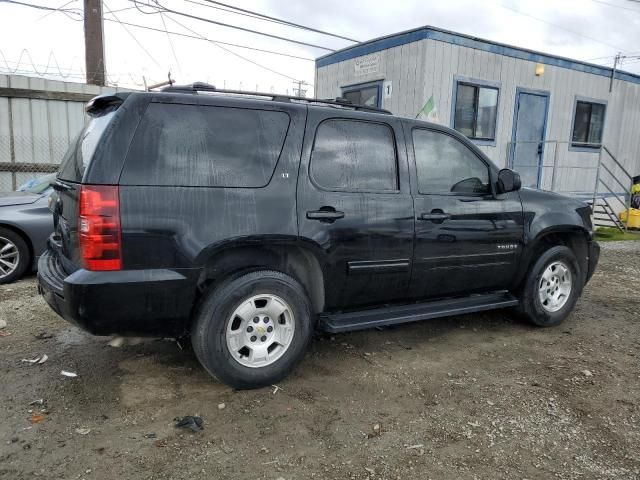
248	221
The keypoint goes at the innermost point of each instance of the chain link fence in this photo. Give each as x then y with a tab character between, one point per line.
23	158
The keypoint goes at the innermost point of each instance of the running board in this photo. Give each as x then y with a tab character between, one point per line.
395	315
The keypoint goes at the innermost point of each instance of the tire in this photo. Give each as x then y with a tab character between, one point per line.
16	252
553	311
224	322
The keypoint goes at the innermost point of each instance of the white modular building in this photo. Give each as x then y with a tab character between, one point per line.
564	125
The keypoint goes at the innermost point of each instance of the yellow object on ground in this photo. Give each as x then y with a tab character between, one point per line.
634	218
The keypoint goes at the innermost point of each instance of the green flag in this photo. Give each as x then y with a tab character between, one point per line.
429	111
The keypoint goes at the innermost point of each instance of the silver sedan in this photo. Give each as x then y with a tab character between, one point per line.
25	225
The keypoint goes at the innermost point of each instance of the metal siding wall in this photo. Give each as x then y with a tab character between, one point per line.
402	65
37	130
439	62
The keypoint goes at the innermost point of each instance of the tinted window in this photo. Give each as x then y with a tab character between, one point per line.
205	146
476	111
354	155
447	166
588	124
79	154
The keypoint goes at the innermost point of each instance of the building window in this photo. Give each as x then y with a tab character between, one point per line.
588	124
476	111
365	94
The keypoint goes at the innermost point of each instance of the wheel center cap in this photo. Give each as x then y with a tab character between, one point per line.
261	330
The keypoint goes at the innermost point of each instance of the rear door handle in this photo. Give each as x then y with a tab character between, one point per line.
434	217
327	215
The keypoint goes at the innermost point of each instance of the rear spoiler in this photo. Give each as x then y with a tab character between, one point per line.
100	103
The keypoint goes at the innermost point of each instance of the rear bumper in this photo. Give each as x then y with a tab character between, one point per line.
129	302
594	256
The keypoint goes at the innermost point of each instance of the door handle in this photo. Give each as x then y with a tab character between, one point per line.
325	215
435	216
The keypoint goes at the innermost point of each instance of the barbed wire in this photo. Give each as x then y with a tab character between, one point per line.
25	65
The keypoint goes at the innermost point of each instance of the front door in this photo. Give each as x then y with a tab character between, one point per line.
527	148
468	239
355	207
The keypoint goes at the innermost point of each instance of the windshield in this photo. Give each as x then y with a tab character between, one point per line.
83	147
38	185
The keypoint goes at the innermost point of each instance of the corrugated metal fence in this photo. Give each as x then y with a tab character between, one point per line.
38	120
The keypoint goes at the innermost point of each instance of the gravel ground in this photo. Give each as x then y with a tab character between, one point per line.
476	396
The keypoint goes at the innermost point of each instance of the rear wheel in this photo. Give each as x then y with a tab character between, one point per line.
253	330
14	256
552	287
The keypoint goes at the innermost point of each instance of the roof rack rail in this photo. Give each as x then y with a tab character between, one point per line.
276	97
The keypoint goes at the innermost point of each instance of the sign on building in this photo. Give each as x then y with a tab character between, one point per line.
367	65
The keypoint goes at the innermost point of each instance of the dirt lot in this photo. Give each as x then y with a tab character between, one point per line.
479	396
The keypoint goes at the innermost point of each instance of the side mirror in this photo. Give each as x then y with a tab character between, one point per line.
508	181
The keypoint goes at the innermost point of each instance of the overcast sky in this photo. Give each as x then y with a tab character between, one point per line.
593	30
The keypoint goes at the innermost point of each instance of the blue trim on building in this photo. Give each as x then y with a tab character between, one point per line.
424	33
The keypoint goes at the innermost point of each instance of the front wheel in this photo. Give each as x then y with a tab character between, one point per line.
552	287
253	330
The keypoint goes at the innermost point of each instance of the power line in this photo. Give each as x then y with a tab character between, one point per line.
56	10
132	35
173	51
616	6
234	53
276	20
67	11
229	10
186	35
208	20
558	26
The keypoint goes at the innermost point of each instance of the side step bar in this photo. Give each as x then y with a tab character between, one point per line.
395	315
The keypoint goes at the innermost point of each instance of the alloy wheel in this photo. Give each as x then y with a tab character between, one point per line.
260	330
9	257
555	286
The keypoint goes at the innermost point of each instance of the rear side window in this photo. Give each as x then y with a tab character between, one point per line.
354	155
81	150
203	146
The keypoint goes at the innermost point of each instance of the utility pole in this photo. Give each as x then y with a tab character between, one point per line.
94	42
299	92
613	72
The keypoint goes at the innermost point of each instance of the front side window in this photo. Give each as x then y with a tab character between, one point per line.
476	110
368	96
355	156
205	146
588	124
446	166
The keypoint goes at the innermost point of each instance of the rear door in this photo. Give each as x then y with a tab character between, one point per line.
467	238
355	208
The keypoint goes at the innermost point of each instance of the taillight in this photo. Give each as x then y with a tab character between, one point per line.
99	227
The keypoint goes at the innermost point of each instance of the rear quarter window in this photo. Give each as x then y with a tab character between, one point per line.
205	146
81	150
